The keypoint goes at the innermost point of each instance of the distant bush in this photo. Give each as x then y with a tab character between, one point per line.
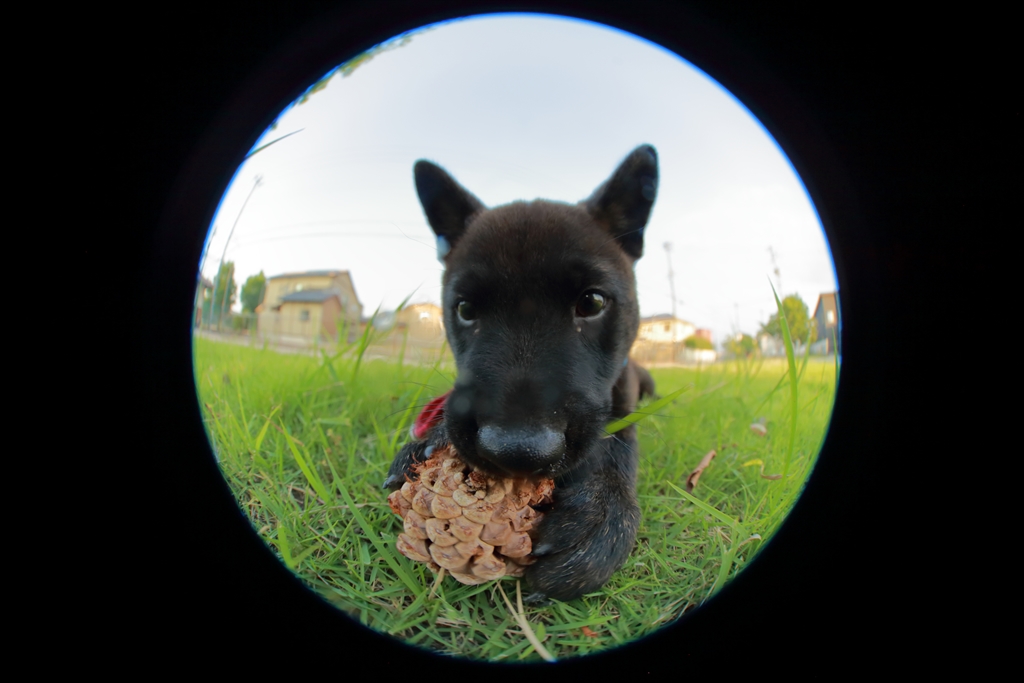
245	321
801	325
741	346
698	343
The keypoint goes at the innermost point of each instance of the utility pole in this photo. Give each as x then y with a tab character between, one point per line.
671	279
256	183
672	292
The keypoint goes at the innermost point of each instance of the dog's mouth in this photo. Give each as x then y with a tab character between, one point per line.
534	433
532	452
499	468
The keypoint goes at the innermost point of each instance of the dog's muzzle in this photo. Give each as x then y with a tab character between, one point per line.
520	450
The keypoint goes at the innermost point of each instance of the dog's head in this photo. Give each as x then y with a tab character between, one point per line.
540	311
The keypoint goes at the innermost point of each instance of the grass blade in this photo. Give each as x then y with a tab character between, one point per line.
771	393
307	469
524	624
263	431
648	410
714	512
787	339
364	342
373	536
263	147
835	349
284	548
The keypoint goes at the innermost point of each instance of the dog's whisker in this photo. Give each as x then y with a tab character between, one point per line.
405	410
615	238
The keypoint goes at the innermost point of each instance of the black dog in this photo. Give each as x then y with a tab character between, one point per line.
540	310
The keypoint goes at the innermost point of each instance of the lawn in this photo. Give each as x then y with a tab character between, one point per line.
305	442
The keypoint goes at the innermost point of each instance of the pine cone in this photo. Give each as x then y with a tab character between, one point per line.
476	526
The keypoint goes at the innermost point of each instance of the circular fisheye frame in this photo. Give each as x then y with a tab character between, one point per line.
450	487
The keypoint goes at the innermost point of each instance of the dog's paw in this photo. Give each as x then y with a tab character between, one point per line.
582	542
537	599
412	454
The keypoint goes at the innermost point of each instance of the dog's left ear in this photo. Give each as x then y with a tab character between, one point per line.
623	203
448	205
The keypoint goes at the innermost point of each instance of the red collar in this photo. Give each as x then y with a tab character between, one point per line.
429	417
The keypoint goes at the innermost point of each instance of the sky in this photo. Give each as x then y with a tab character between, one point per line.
526	107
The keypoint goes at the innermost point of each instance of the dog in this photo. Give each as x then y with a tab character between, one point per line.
540	311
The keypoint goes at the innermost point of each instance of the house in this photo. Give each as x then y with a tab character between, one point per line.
313	304
664	328
770	346
702	333
659	341
424	322
826	317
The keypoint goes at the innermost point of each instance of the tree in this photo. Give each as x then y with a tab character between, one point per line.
252	292
347	68
798	317
223	294
694	342
741	346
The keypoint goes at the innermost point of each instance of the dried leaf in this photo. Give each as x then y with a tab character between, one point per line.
590	634
691	481
758	461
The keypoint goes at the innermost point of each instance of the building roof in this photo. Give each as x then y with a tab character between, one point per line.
828	300
311	273
663	317
205	282
309	296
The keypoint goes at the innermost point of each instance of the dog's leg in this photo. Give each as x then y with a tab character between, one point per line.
646	382
592	526
633	384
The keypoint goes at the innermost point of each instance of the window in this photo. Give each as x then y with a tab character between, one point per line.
304	315
830	316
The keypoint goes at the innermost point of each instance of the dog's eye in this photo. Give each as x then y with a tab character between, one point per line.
590	304
466	311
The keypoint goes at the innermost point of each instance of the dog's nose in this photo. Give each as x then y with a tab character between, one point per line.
520	450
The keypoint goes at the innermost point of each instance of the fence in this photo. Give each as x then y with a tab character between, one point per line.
390	345
653	354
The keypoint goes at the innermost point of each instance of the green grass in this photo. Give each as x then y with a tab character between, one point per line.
305	443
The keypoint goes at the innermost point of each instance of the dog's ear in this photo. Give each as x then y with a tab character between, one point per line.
623	203
447	204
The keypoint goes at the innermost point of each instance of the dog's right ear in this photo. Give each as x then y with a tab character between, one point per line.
448	205
623	203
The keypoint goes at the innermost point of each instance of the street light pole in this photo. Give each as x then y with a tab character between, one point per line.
257	182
